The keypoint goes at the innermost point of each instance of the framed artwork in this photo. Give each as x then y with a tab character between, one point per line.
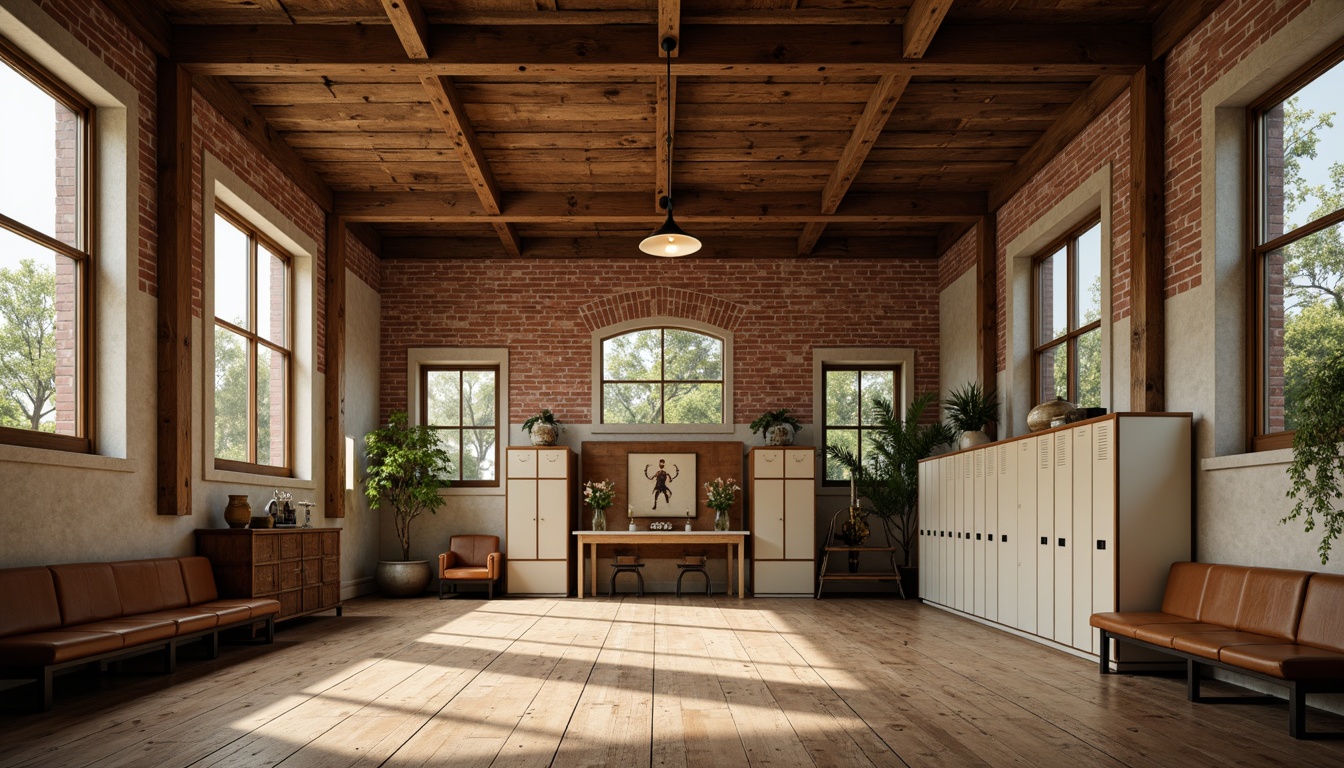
661	484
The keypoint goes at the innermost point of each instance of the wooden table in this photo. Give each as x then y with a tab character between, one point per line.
730	538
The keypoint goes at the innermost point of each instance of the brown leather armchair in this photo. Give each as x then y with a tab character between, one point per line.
471	560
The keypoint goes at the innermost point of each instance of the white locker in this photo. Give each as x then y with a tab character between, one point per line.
783	520
1103	523
950	477
965	520
1061	542
991	560
1007	534
1045	529
1081	544
976	535
1027	573
538	520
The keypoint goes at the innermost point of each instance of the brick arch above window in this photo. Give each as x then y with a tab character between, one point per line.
662	302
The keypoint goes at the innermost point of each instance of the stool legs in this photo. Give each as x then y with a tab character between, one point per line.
700	570
639	578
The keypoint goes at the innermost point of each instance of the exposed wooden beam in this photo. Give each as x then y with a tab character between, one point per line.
665	120
408	20
1177	21
1147	256
774	248
783	13
508	235
921	22
811	234
1078	116
987	301
334	436
669	25
443	96
241	115
174	494
541	51
146	22
692	206
875	114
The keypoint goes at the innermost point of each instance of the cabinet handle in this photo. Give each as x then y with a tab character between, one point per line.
1061	542
1101	543
524	457
977	537
1045	541
1005	538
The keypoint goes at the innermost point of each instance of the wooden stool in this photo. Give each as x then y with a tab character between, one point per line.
619	568
693	565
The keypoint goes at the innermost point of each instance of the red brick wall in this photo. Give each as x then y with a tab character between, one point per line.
361	261
954	262
540	311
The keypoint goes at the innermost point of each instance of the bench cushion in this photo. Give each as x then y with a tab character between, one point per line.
237	609
1289	661
1322	622
187	620
145	586
43	648
1208	644
134	630
199	580
1271	602
465	573
1165	634
1127	624
1185	589
1222	594
87	592
28	601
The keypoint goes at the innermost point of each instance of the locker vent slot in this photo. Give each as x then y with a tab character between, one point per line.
1103	442
989	462
1061	449
979	464
1045	454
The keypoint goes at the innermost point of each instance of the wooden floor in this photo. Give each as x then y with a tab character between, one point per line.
650	681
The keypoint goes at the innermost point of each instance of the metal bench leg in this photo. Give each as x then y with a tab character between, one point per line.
44	694
1104	658
1192	669
1297	711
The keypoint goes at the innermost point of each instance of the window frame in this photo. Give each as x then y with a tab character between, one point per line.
1257	366
1069	242
83	257
256	237
424	372
662	381
898	406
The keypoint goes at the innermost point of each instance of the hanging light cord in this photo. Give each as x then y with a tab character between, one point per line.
669	44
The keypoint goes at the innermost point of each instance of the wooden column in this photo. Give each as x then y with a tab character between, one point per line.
1147	254
987	300
335	377
174	289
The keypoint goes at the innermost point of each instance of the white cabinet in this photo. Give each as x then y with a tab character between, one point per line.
783	520
1039	532
538	514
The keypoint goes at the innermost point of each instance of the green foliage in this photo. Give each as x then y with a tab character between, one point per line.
545	417
662	375
970	408
888	476
407	467
230	396
773	419
599	494
1318	462
719	495
27	346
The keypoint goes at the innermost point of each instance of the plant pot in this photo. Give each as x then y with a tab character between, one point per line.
402	578
544	434
780	434
909	580
972	439
238	513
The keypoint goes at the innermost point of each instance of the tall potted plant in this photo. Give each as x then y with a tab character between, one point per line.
888	476
971	409
407	468
1317	471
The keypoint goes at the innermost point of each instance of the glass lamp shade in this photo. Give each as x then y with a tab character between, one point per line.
669	241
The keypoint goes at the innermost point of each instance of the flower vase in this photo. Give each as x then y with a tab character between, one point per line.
721	520
599	519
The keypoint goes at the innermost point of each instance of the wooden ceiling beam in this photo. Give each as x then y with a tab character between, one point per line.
508	235
443	96
456	14
669	25
408	20
921	22
541	51
449	248
618	207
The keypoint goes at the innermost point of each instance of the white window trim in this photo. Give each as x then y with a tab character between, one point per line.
219	184
826	356
419	357
726	428
1076	208
115	245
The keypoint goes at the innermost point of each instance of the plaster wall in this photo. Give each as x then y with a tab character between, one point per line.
958	345
362	534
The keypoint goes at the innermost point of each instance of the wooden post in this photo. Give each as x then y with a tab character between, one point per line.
1147	259
987	300
174	289
335	377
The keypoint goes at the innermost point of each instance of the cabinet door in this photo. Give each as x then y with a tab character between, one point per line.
1082	544
800	520
768	462
522	462
1026	534
767	524
1045	529
1103	522
1061	542
552	518
798	463
521	519
553	462
991	558
1007	535
976	533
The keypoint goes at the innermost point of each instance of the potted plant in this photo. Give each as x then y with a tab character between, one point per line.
543	427
971	409
1317	470
407	468
779	427
888	477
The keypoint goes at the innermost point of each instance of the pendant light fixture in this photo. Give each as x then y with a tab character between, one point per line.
669	240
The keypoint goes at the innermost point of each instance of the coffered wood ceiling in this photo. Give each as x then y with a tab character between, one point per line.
534	128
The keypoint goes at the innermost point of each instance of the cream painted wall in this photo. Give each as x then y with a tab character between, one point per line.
360	539
957	362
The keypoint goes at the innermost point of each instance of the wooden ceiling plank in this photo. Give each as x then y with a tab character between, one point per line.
877	248
408	21
1041	51
921	22
449	108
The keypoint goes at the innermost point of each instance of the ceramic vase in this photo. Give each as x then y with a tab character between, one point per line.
780	434
544	434
402	578
238	513
1048	413
973	438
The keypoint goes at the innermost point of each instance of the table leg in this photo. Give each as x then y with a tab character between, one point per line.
728	587
741	571
592	559
580	569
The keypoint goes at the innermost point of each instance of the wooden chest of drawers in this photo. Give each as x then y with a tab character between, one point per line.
300	567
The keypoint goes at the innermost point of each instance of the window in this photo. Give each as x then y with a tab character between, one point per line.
1297	256
849	391
1066	310
662	376
45	259
253	342
462	403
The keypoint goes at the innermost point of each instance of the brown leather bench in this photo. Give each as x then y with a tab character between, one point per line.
1283	626
54	618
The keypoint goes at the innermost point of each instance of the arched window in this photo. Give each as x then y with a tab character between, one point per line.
663	375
